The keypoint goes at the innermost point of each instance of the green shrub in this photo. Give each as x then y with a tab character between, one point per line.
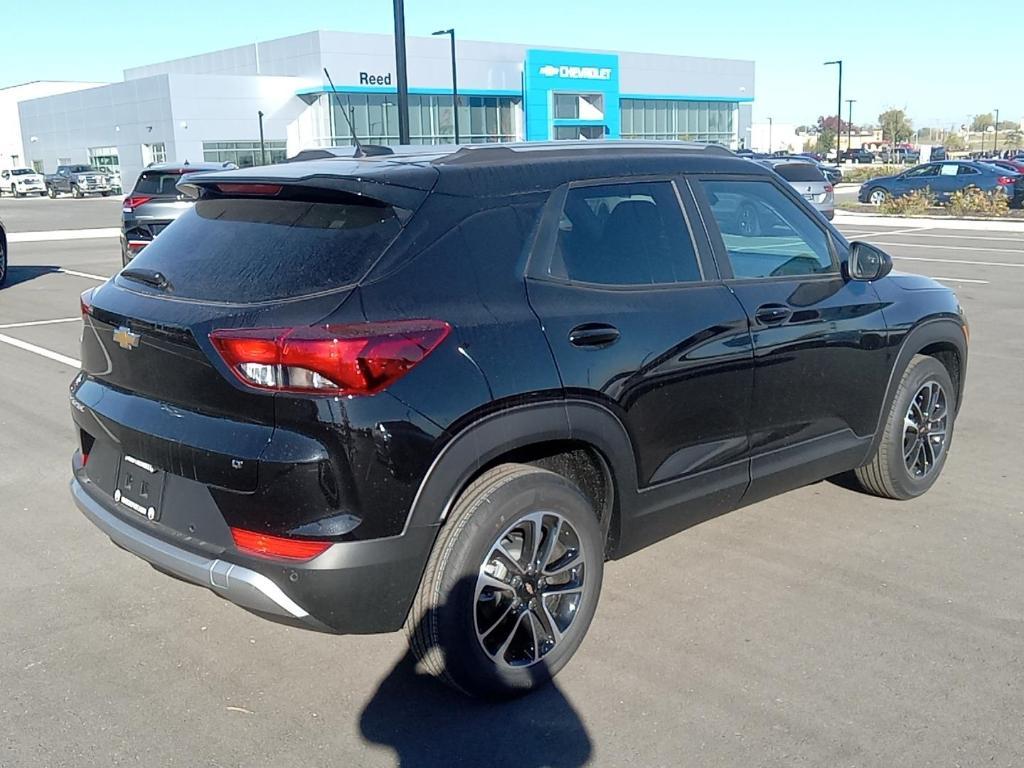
915	203
973	202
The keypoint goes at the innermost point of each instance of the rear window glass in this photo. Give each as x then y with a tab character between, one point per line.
799	172
249	250
157	183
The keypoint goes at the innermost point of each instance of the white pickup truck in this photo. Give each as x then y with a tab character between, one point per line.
22	181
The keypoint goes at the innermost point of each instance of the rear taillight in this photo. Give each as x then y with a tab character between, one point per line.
134	201
265	545
260	190
328	359
828	188
85	301
1006	181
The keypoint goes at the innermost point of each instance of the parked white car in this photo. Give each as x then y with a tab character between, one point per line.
22	181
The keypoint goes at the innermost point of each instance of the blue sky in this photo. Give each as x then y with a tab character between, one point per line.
912	67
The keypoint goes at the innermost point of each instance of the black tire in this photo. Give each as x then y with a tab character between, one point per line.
105	194
444	622
881	191
76	191
887	473
14	191
3	263
51	192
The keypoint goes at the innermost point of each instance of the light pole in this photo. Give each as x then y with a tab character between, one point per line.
401	75
995	138
455	82
849	123
769	135
839	108
263	147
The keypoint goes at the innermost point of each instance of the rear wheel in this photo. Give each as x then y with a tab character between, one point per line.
877	196
105	194
917	433
511	585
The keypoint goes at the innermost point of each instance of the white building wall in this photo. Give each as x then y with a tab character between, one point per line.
12	149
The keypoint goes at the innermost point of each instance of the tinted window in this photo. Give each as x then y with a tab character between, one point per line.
767	234
798	172
966	170
157	183
922	171
624	234
245	250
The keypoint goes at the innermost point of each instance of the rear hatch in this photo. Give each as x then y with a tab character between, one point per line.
154	386
153	204
807	180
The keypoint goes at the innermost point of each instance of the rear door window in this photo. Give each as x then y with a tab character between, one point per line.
765	233
244	250
624	234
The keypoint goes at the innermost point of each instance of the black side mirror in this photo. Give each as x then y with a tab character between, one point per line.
867	262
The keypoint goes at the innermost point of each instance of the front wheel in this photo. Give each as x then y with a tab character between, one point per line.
105	194
877	196
917	433
76	192
14	191
511	585
52	193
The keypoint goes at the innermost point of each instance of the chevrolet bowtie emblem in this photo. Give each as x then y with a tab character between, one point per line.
126	339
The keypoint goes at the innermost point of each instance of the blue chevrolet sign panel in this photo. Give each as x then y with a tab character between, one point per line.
549	72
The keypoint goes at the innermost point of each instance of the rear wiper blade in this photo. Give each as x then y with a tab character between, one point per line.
147	276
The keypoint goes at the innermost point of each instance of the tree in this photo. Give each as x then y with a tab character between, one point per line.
955	142
829	123
896	126
982	122
826	141
1008	125
1014	138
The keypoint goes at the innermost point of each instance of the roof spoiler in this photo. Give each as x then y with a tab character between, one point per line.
348	153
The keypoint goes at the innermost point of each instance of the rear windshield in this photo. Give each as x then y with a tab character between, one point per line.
799	172
250	250
157	183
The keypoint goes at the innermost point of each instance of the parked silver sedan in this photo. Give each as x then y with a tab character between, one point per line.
808	180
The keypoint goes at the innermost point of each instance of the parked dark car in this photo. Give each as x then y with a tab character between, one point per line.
438	389
3	254
1014	166
936	154
943	179
155	202
77	180
900	155
858	155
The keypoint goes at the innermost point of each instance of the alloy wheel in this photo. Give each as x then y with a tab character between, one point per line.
878	196
529	589
925	430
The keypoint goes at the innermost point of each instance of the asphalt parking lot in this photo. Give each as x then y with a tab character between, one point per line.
820	628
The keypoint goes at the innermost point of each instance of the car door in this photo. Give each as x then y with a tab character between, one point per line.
821	363
640	323
916	179
950	178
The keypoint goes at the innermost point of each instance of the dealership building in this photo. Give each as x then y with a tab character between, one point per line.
206	107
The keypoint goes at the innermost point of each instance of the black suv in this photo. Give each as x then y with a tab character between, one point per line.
155	202
439	389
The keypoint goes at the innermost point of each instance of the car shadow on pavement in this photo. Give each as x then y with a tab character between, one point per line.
22	274
429	725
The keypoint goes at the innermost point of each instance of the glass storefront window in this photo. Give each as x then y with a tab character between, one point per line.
244	154
707	121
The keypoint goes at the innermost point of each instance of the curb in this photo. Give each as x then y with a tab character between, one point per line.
929	222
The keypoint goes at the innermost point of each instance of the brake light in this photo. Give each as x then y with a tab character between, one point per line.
265	545
828	188
134	201
329	359
1006	181
263	190
85	301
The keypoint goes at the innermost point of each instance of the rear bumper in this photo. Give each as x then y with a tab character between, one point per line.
354	587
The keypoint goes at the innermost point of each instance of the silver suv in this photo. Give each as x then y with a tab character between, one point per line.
808	180
155	202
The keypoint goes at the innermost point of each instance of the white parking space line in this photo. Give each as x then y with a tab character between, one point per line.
63	234
88	275
920	233
949	247
32	323
958	261
41	351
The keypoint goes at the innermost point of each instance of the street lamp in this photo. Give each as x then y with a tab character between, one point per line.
401	72
849	124
263	147
455	82
769	135
995	138
839	108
